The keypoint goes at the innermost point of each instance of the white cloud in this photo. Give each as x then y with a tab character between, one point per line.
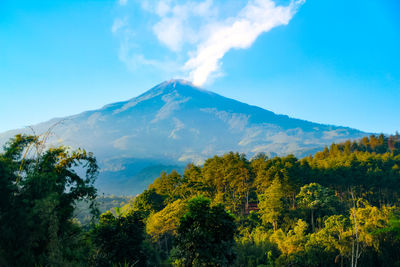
170	32
200	34
123	2
128	53
181	24
135	60
237	33
163	8
118	24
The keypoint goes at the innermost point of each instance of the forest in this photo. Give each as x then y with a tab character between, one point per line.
339	207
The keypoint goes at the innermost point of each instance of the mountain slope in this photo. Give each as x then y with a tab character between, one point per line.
175	123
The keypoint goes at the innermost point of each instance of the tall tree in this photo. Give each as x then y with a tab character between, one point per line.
205	235
39	189
229	177
271	203
164	224
314	197
335	236
167	185
147	202
119	240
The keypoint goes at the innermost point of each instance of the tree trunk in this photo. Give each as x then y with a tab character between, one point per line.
312	220
352	253
357	252
166	242
246	205
294	201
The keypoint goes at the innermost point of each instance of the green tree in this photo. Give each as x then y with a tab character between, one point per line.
254	248
164	224
389	242
167	185
205	236
292	242
286	169
271	204
193	183
147	202
39	189
229	179
367	220
314	197
119	240
335	236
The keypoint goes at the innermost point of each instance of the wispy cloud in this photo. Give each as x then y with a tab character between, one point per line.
239	32
128	51
203	34
122	2
182	24
118	24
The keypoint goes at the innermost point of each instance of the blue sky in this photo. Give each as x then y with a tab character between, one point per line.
331	61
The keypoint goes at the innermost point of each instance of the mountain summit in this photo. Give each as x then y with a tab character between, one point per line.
175	123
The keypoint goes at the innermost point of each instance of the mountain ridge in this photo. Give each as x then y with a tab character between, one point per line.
174	81
175	123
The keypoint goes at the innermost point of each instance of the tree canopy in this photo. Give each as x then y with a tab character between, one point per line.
39	189
205	235
339	207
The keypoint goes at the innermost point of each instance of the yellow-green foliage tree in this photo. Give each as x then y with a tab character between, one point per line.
162	224
271	204
229	179
193	183
167	185
366	220
336	237
292	242
147	202
286	169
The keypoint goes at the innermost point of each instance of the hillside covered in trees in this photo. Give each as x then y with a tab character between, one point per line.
339	207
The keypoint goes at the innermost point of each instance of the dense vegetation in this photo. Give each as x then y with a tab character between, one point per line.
336	208
38	191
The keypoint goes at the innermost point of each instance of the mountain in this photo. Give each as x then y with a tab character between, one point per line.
175	123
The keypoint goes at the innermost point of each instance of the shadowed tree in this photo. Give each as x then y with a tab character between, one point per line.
39	189
205	236
120	240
